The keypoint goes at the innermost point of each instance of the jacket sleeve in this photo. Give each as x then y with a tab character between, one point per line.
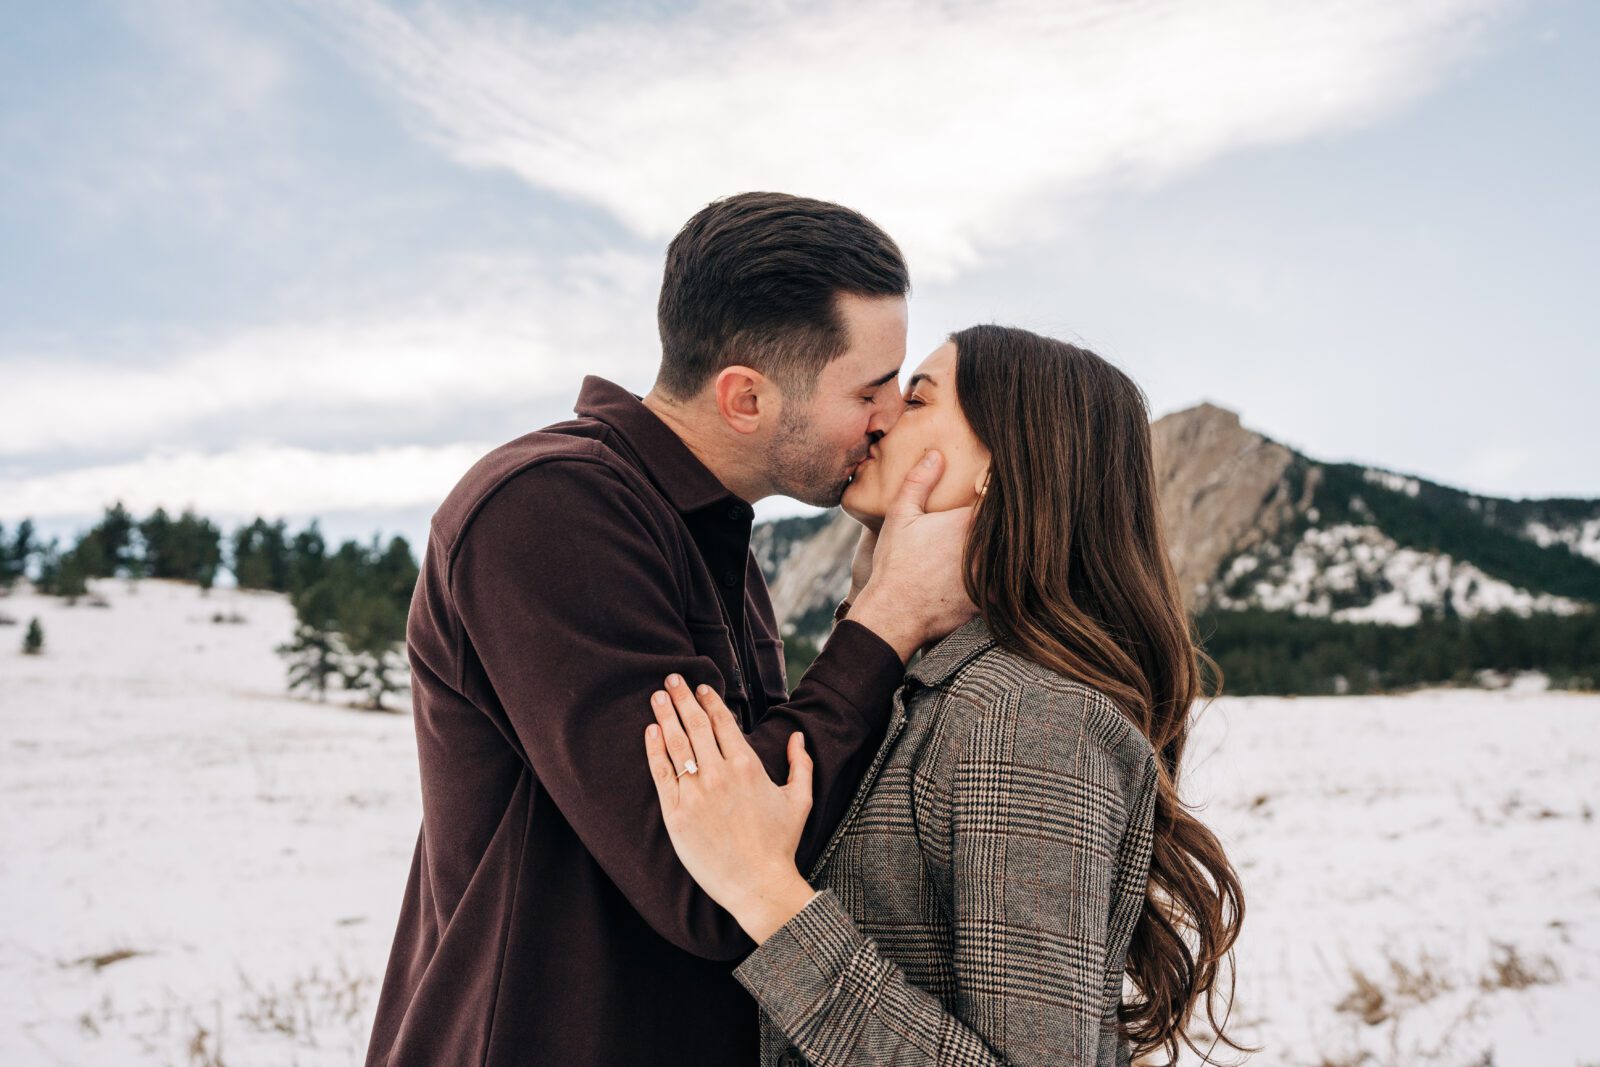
1036	824
568	593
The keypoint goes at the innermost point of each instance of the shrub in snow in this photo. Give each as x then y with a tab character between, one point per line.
315	655
33	640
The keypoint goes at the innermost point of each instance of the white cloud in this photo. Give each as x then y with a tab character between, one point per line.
258	479
959	126
187	112
495	329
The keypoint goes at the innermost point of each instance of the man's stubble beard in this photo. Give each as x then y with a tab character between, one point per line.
802	467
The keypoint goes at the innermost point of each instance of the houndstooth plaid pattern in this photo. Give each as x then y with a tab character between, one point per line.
979	896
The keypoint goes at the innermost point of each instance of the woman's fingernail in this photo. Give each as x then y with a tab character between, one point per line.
704	690
658	697
674	679
929	458
653	730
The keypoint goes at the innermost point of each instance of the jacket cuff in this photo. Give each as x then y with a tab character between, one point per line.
860	666
793	972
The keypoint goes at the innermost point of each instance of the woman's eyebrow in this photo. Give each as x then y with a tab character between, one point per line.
915	378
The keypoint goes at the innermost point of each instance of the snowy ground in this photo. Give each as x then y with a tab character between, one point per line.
198	869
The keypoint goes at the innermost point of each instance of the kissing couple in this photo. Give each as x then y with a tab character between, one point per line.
957	839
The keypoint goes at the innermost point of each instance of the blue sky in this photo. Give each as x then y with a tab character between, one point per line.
315	258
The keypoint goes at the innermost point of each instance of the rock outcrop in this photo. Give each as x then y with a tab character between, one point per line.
1222	490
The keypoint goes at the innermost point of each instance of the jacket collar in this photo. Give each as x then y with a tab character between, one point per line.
952	652
675	470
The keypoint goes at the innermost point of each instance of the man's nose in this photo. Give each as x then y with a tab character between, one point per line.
886	416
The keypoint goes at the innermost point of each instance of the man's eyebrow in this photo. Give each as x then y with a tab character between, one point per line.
879	381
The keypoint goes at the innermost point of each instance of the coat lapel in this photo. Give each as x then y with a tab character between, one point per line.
932	670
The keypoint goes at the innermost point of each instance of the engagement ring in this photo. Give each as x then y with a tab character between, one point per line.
688	768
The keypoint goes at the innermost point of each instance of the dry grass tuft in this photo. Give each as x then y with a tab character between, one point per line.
205	1046
1509	970
1373	1003
1347	1059
310	1002
202	1053
1367	1000
1422	982
105	959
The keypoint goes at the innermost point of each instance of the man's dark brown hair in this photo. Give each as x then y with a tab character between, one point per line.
754	279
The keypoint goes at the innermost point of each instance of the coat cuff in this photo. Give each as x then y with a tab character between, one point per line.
793	972
860	666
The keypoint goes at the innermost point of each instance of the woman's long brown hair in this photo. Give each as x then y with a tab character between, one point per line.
1069	566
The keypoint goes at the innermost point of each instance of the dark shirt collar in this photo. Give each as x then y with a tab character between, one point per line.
678	472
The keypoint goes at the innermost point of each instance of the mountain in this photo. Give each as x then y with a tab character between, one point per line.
1275	545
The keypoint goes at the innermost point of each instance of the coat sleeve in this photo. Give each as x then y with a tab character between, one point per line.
568	593
1036	823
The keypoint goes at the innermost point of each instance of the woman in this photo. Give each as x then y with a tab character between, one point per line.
1018	844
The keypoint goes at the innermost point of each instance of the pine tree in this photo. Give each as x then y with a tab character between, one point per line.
112	538
315	655
249	562
23	546
49	567
72	576
376	673
196	545
275	547
33	640
397	571
373	623
356	601
13	555
260	556
136	563
307	558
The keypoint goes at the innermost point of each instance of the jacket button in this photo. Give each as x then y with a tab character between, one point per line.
736	511
730	578
790	1057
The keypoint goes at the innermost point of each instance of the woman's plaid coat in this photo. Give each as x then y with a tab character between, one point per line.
978	898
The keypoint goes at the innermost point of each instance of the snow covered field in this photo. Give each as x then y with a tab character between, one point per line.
198	869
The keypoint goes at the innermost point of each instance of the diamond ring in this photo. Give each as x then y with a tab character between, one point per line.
689	767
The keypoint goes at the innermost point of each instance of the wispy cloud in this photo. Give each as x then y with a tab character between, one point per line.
496	329
960	126
260	479
189	112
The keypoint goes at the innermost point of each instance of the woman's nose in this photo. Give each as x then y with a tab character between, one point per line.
885	417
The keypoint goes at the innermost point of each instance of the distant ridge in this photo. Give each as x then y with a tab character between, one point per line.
1255	526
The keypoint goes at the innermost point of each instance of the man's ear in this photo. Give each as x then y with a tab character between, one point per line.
743	397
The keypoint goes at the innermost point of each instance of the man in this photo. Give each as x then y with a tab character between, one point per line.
547	919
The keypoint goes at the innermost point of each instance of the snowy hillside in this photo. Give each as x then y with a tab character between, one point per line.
1360	574
1372	545
200	870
